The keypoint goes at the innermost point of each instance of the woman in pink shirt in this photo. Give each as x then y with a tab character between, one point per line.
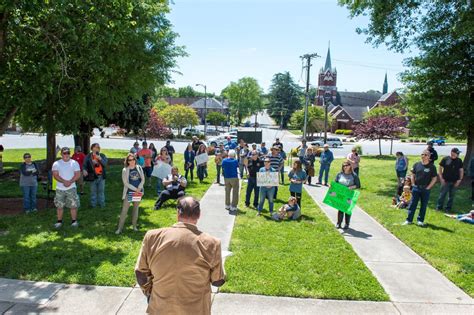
354	159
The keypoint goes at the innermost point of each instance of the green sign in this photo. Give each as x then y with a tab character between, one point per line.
341	197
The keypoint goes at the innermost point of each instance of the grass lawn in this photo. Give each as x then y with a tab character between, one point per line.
444	242
32	249
304	258
296	132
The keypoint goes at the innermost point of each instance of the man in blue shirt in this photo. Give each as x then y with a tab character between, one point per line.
325	159
231	181
263	149
230	145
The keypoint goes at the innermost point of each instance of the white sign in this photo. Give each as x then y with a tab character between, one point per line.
161	170
201	158
267	179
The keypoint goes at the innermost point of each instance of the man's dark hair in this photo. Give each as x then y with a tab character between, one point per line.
93	145
188	207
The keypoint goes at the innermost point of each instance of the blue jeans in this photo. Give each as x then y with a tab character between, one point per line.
324	169
200	172
98	192
445	189
159	186
29	197
266	193
418	194
252	186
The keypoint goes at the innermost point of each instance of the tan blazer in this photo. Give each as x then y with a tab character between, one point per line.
127	185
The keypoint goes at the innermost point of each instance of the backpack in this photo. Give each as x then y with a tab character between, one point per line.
141	161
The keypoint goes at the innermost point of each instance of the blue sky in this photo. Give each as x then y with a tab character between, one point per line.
229	39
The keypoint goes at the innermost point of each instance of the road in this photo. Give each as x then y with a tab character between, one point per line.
269	133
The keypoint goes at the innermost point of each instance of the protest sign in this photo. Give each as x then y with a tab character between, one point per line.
135	196
161	170
201	158
341	197
265	179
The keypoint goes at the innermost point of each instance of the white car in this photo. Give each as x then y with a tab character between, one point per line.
216	141
332	142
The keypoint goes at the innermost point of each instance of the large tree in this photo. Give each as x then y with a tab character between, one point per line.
71	65
440	80
179	117
244	96
315	120
284	98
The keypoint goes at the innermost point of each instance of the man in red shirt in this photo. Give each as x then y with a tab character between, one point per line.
79	157
146	153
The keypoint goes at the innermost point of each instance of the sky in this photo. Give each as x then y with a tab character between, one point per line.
230	39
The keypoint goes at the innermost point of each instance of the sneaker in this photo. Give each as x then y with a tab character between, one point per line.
407	223
233	212
419	223
259	214
118	231
34	210
247	205
75	224
346	226
338	226
227	207
135	229
57	225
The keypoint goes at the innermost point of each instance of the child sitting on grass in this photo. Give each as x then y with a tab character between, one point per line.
290	211
405	198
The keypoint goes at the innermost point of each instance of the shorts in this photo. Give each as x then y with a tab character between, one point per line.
66	199
148	170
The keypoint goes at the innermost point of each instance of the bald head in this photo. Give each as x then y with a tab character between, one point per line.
189	209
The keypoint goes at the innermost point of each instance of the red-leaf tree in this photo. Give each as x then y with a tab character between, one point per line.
156	127
378	128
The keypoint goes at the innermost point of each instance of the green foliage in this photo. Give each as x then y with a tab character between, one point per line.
160	104
344	132
216	118
166	91
244	96
315	119
134	116
180	116
384	111
285	97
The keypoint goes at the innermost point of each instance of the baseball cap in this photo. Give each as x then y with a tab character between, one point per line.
455	150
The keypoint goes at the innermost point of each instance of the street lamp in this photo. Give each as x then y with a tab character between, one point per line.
205	107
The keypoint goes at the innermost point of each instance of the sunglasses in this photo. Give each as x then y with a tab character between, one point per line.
267	161
130	160
66	153
346	165
423	154
27	157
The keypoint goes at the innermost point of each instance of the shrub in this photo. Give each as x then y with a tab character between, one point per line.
348	132
416	140
339	131
403	140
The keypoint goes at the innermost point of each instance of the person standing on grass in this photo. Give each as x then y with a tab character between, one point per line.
451	173
354	159
201	168
348	178
154	152
297	177
94	170
170	149
243	151
282	167
136	148
147	156
423	177
218	157
254	164
278	144
189	156
66	172
325	160
1	159
277	163
231	180
133	179
184	287
79	157
309	159
29	172
163	157
267	192
433	153
302	151
401	167
263	151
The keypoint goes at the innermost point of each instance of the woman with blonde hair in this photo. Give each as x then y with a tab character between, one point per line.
133	180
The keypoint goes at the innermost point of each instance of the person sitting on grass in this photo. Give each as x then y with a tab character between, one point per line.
405	198
467	217
175	187
290	211
406	182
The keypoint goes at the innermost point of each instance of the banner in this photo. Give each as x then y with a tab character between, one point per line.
341	197
267	179
161	170
135	196
201	158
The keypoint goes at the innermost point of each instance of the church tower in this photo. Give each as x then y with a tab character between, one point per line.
327	80
385	85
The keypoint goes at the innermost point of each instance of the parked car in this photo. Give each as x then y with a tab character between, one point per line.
247	123
193	132
216	141
438	140
332	142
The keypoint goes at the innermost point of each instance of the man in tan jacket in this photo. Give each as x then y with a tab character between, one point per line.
177	265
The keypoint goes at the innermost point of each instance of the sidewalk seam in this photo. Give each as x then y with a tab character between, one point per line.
123	302
395	307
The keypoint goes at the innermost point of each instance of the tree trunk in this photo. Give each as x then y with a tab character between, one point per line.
380	146
50	149
6	120
391	146
469	147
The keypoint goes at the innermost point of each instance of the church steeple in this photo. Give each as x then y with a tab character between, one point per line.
385	85
327	66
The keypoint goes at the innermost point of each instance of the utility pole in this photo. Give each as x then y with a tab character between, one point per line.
308	58
325	121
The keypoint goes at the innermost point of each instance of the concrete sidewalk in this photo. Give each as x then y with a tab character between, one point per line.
405	276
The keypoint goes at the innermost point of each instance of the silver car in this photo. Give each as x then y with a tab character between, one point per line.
332	142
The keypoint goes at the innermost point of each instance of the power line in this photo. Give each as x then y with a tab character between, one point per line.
308	58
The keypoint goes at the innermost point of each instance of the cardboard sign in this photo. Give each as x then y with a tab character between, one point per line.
265	179
135	196
341	197
161	170
201	158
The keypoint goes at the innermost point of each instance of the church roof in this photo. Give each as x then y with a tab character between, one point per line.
328	61
211	103
356	104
